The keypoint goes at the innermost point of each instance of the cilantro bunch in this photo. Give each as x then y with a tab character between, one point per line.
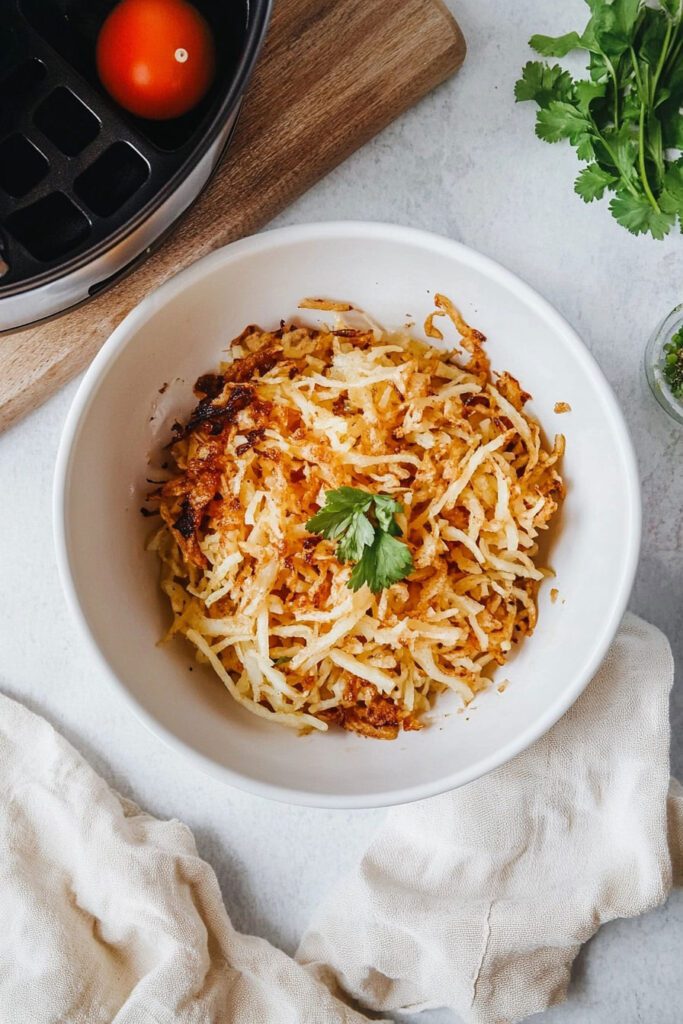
624	119
366	532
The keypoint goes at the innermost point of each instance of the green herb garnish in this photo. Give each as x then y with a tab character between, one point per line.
625	117
366	531
672	364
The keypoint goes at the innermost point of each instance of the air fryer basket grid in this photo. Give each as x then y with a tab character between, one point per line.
74	167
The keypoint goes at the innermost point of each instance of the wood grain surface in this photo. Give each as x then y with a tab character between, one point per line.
332	74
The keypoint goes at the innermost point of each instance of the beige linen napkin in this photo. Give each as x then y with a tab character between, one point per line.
478	900
109	916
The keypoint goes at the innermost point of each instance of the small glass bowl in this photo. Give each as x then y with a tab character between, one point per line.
654	360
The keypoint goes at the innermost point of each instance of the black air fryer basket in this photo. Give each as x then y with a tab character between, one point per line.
85	187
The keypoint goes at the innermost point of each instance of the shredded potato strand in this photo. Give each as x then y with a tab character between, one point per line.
303	410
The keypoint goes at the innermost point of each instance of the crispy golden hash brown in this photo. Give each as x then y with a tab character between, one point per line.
300	411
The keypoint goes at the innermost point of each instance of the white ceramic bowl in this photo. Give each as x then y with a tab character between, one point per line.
119	418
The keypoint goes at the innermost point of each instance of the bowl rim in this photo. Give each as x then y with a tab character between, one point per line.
366	230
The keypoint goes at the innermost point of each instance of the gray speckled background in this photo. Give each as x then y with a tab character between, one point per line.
465	163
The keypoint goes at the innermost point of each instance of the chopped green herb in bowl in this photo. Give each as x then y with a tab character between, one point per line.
672	367
664	364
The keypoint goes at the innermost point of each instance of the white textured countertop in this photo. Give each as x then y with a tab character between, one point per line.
464	163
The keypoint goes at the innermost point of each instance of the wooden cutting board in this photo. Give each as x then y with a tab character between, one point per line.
332	74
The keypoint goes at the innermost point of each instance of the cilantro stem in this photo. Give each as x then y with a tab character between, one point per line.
660	63
615	163
641	160
674	54
615	84
636	71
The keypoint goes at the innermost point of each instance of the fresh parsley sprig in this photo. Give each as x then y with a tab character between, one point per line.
366	531
625	118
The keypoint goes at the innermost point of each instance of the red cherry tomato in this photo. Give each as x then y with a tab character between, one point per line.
156	58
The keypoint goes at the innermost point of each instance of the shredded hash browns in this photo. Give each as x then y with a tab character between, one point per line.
302	410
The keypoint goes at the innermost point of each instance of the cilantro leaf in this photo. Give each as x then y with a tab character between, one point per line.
611	28
380	558
562	120
654	149
386	508
673	8
348	499
674	81
653	37
585	148
638	215
543	83
592	182
671	199
598	67
627	13
623	147
586	92
330	523
556	46
337	514
626	118
672	125
386	561
358	535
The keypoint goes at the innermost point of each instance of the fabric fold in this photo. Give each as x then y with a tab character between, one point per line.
479	900
109	915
